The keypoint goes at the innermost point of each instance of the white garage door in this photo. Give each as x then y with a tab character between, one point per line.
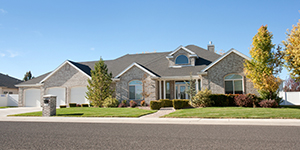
32	98
60	95
78	95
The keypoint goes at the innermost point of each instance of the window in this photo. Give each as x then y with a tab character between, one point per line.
199	85
181	59
233	84
135	89
168	95
5	92
10	92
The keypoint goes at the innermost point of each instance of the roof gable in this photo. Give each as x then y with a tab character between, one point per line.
223	56
183	48
138	66
66	62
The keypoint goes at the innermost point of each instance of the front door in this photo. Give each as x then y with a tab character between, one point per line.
181	91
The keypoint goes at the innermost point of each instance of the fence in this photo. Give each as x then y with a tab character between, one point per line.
290	98
9	100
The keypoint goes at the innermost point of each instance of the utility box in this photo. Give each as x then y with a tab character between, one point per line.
49	107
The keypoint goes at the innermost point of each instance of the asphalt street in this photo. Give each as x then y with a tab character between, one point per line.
51	135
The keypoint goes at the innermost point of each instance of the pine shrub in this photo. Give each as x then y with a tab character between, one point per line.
110	102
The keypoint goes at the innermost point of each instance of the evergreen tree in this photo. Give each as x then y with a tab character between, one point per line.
292	51
265	64
27	76
99	86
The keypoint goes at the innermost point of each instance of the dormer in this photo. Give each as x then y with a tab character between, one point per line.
181	57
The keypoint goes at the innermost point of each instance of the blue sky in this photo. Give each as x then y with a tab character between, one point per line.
40	35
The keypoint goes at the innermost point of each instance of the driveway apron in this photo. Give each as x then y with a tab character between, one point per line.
11	111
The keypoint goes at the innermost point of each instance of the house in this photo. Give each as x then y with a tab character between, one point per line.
160	75
7	84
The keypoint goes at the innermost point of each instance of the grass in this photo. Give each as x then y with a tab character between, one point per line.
9	107
237	112
95	112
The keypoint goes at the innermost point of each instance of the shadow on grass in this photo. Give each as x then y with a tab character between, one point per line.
74	114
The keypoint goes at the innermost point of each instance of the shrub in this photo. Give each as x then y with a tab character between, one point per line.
72	104
220	100
132	104
123	104
143	103
62	106
268	103
78	105
266	95
110	102
248	100
181	103
201	99
166	103
84	105
155	105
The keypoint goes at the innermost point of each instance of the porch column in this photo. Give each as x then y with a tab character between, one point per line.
159	89
164	89
197	85
175	96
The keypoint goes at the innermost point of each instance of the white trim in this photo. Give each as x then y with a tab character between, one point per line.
223	56
30	85
164	89
182	47
159	89
179	77
137	65
197	85
60	66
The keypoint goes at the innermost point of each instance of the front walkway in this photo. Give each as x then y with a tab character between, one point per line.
161	112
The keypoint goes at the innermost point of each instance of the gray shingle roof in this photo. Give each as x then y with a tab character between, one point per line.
154	62
35	80
8	81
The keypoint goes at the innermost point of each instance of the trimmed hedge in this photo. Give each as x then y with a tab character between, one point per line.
62	106
155	105
223	100
166	103
72	104
84	105
181	103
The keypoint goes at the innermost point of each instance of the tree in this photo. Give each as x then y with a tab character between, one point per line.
292	51
265	64
99	85
191	84
28	76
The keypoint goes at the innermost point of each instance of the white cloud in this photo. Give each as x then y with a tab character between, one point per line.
2	54
12	53
92	48
2	11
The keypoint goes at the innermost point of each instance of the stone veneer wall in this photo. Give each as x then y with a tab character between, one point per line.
122	87
66	77
214	79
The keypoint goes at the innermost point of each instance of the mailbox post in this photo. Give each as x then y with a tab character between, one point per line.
49	107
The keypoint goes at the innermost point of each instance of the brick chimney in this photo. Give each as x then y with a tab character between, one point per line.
211	47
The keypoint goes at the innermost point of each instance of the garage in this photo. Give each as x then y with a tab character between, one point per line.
32	98
78	95
60	95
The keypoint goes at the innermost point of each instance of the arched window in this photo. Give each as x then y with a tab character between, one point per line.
135	89
234	84
181	59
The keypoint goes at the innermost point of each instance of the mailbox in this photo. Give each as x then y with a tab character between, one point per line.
49	106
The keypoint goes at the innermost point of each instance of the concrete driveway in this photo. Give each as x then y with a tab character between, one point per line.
10	111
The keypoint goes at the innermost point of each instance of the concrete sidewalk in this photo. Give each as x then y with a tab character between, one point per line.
191	121
148	119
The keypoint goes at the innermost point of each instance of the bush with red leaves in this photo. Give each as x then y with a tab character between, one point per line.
268	103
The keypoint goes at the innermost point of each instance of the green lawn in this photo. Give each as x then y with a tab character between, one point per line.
9	107
236	112
95	112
